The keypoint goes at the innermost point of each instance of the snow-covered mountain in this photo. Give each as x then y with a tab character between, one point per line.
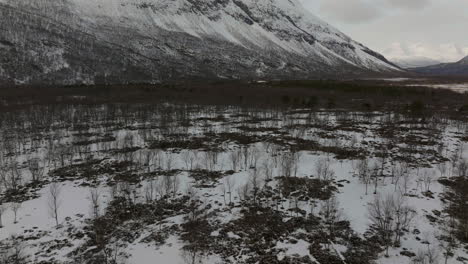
463	61
414	62
459	68
122	41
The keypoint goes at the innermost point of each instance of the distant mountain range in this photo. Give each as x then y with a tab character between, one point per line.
131	41
459	68
414	62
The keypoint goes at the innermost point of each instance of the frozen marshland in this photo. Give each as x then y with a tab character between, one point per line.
186	183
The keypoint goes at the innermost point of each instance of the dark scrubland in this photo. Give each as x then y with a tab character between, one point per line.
237	170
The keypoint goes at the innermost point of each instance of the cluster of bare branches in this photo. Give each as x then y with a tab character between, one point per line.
391	215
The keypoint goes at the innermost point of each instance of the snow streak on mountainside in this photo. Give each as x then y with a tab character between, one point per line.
121	41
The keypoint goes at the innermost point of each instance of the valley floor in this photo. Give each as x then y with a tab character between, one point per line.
188	183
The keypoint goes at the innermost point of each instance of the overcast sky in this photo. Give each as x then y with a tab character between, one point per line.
436	29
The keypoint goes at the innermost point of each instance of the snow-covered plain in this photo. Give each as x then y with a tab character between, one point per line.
136	128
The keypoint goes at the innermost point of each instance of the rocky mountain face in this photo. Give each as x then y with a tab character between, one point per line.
459	68
131	41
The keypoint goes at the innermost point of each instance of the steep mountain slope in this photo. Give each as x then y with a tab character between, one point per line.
122	41
414	62
459	68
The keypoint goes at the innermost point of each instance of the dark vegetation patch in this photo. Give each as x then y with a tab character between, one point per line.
259	129
306	189
239	138
253	238
426	156
124	220
22	193
206	178
340	152
259	230
456	199
358	95
91	169
193	143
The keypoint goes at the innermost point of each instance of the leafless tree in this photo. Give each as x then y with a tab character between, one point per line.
245	151
364	172
331	213
235	158
430	255
256	182
13	180
228	182
243	191
15	208
148	157
208	161
448	241
427	180
381	214
268	170
191	193
167	181
254	156
94	197
296	155
113	254
403	216
150	190
113	191
442	168
462	168
3	208
186	158
405	183
175	185
275	150
36	170
287	164
161	187
324	170
54	201
192	255
193	159
375	176
157	159
400	172
169	161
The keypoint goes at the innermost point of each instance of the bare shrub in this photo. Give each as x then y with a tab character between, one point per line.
15	208
323	169
54	201
35	168
94	197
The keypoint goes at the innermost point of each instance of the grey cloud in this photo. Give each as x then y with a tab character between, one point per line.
350	11
409	4
401	28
